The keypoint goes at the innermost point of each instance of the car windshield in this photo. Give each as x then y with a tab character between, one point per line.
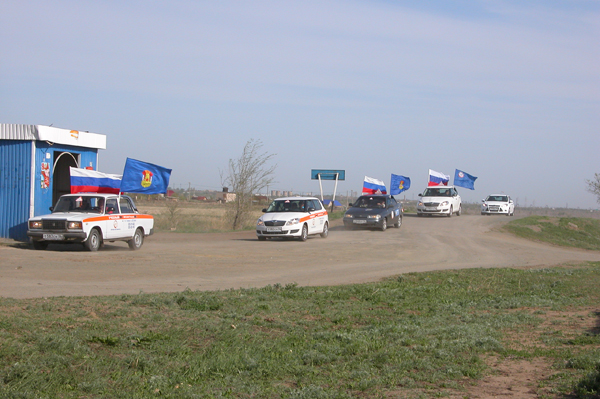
287	206
370	202
499	198
437	192
81	203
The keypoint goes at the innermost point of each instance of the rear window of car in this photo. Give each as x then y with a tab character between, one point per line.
125	206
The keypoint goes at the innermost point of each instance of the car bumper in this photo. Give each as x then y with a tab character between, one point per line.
434	211
57	236
284	231
362	222
495	211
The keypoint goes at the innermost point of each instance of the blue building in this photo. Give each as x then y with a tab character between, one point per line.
34	170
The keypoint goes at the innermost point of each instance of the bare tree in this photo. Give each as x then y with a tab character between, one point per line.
247	175
593	186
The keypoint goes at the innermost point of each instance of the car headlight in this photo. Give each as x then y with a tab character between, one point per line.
260	222
420	203
445	203
484	206
292	221
376	217
74	225
348	216
35	224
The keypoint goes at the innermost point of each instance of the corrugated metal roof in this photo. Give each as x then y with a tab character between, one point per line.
52	134
18	132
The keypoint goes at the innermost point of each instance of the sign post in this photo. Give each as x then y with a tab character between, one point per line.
328	174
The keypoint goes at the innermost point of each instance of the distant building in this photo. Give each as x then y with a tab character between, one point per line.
225	195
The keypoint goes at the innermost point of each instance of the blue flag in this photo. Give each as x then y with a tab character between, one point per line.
398	184
463	179
144	178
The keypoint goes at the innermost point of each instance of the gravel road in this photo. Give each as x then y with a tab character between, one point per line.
170	262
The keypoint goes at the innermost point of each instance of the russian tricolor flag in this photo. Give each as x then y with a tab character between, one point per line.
373	186
91	181
437	178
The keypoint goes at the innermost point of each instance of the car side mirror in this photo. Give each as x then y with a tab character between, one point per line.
264	210
51	209
311	209
420	195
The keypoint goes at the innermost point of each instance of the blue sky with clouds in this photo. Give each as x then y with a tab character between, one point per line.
508	91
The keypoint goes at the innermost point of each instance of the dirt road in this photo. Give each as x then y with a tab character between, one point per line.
174	262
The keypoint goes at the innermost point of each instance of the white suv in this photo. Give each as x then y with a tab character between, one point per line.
439	200
291	217
496	204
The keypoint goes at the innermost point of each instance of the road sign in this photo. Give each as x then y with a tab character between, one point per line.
327	174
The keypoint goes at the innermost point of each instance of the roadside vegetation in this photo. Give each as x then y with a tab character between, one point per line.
565	231
418	335
186	217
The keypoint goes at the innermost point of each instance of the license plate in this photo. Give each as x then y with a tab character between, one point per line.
54	237
273	229
360	221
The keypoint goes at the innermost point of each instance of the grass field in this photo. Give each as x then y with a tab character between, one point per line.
419	335
570	232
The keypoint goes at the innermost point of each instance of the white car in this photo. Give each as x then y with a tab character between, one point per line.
498	204
91	219
293	217
439	200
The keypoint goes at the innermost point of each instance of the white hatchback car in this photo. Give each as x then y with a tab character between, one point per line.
498	204
439	200
293	217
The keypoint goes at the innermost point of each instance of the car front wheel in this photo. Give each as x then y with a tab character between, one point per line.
459	210
94	241
451	212
384	224
304	233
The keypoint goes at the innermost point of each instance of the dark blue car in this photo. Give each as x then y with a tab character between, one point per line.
374	211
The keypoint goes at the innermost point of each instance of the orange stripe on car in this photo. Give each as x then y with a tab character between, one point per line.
314	215
116	217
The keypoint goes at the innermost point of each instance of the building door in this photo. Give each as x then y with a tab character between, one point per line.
61	176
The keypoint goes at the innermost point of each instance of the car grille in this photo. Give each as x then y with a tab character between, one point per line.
431	204
275	223
54	224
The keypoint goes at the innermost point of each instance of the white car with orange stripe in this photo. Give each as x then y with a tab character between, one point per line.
91	219
293	217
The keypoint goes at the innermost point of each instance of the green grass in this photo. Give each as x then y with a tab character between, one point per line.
570	232
416	335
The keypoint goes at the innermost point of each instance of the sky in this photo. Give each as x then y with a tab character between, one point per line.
508	91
